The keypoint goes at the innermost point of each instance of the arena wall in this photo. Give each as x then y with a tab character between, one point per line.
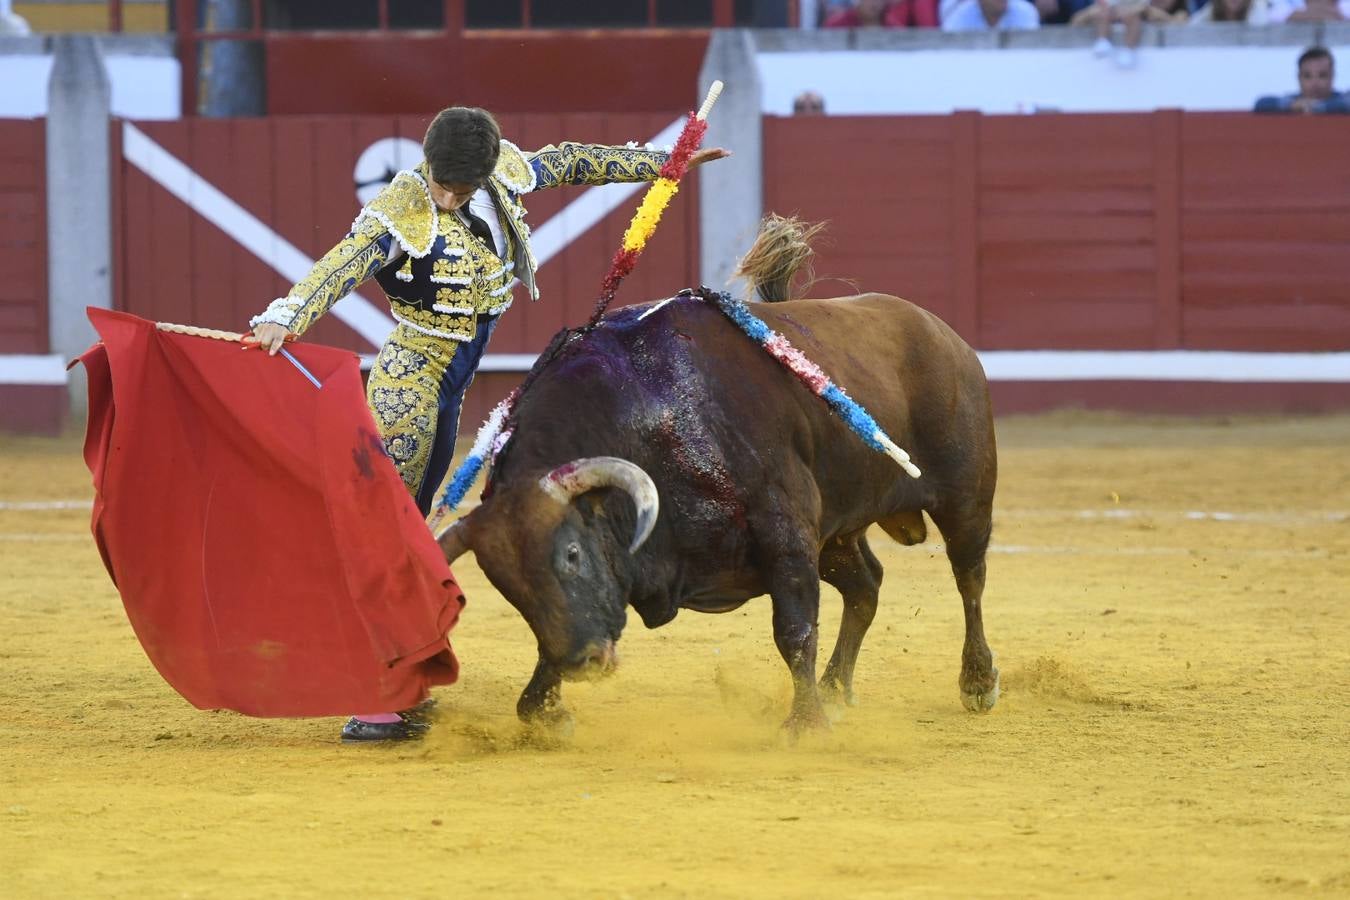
1166	261
32	383
1154	231
1148	233
1172	232
521	72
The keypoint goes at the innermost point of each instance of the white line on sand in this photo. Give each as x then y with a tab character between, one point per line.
1286	517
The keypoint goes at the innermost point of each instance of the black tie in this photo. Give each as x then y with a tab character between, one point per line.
479	228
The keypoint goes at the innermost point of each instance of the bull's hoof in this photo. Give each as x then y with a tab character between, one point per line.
832	693
805	722
554	721
980	697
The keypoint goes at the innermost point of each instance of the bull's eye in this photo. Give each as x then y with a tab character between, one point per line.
573	554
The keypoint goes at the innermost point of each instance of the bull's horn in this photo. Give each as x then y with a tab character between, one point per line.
454	540
581	475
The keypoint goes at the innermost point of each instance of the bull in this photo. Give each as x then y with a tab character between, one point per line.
666	462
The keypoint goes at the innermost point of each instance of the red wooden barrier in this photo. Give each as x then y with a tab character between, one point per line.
1108	232
504	72
23	236
1265	233
1140	231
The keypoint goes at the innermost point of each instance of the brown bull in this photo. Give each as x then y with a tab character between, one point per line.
669	463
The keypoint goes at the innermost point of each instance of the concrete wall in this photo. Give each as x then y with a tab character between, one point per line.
143	75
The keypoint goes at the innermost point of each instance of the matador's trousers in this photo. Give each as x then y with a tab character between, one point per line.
415	391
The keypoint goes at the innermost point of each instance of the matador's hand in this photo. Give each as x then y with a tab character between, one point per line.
707	154
270	336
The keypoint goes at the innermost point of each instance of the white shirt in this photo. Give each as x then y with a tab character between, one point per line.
482	206
966	15
1281	10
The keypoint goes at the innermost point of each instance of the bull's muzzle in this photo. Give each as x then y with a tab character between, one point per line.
593	662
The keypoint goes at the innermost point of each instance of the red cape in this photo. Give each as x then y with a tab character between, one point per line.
268	555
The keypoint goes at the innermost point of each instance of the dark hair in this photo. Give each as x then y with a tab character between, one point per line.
1315	53
808	102
462	145
1221	12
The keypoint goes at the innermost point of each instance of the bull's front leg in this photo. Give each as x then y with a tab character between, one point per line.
795	590
541	701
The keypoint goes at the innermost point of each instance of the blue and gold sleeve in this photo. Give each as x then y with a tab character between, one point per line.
358	256
592	164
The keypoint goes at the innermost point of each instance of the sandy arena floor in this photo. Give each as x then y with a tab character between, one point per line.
1170	605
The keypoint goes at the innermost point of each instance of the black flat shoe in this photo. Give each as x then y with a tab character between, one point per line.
422	713
358	732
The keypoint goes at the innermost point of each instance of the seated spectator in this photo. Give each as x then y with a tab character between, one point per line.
992	15
883	14
1231	11
1132	14
1316	91
1310	11
808	103
1059	12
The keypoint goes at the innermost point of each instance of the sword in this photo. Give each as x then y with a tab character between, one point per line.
303	371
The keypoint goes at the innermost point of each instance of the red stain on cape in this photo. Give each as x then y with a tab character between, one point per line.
267	553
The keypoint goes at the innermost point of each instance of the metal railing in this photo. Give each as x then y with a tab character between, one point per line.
453	19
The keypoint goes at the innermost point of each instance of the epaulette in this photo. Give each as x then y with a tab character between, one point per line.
405	208
514	171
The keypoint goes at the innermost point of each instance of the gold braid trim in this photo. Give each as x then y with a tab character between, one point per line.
406	211
514	171
580	164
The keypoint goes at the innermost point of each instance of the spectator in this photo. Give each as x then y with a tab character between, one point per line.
1310	11
1059	12
808	103
1132	14
1316	91
992	15
883	14
1253	12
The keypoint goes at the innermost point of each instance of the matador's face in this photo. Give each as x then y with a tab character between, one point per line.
450	197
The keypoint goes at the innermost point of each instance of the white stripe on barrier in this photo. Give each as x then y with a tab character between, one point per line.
247	229
44	505
1112	365
23	368
1000	365
1165	365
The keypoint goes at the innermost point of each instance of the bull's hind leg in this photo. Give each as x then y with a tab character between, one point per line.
849	565
967	535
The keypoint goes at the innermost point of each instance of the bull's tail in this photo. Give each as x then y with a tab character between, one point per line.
782	247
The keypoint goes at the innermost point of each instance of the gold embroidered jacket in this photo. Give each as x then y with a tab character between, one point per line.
447	278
